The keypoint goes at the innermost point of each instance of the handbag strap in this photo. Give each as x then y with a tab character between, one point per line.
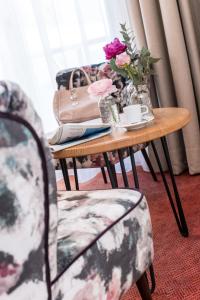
72	76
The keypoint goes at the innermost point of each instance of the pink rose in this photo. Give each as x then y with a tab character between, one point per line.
122	59
102	88
114	48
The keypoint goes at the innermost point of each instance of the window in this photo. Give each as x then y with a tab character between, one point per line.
41	37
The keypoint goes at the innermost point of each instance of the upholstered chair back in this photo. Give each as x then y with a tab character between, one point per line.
95	72
27	200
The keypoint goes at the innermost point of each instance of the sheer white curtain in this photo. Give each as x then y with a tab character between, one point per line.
38	38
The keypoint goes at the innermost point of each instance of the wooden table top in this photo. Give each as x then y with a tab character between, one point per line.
167	120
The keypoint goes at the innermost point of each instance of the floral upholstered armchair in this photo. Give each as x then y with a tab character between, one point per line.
62	245
97	72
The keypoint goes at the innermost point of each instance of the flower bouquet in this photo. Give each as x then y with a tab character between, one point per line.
132	64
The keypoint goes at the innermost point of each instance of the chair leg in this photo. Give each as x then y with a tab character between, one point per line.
143	288
75	173
104	175
146	157
134	167
153	281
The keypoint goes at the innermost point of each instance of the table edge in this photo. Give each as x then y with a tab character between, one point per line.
112	146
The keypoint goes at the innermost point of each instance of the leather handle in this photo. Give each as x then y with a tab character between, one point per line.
72	75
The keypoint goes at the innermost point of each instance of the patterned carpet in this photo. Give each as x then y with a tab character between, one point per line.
177	259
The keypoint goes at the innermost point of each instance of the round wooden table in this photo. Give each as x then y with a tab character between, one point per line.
167	120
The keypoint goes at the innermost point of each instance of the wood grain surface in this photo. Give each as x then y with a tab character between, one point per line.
167	120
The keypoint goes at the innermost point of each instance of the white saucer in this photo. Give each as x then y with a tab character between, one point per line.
132	126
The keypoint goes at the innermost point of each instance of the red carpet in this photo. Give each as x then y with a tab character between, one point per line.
177	259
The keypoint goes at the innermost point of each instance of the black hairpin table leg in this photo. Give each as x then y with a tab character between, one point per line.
178	217
124	175
146	157
114	174
110	171
75	173
104	175
65	174
176	193
131	153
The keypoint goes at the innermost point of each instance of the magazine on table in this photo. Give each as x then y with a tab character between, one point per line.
71	134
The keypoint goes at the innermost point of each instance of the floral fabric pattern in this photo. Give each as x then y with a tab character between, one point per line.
14	101
95	72
22	200
22	269
116	224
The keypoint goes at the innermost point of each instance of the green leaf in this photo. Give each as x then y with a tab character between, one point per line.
145	52
123	26
154	60
141	61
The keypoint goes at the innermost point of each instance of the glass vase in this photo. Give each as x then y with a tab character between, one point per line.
140	94
108	110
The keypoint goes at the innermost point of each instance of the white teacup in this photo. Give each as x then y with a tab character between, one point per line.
134	113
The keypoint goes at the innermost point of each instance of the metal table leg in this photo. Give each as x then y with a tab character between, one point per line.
124	175
65	174
134	167
146	157
179	217
104	175
110	173
75	173
114	174
176	193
